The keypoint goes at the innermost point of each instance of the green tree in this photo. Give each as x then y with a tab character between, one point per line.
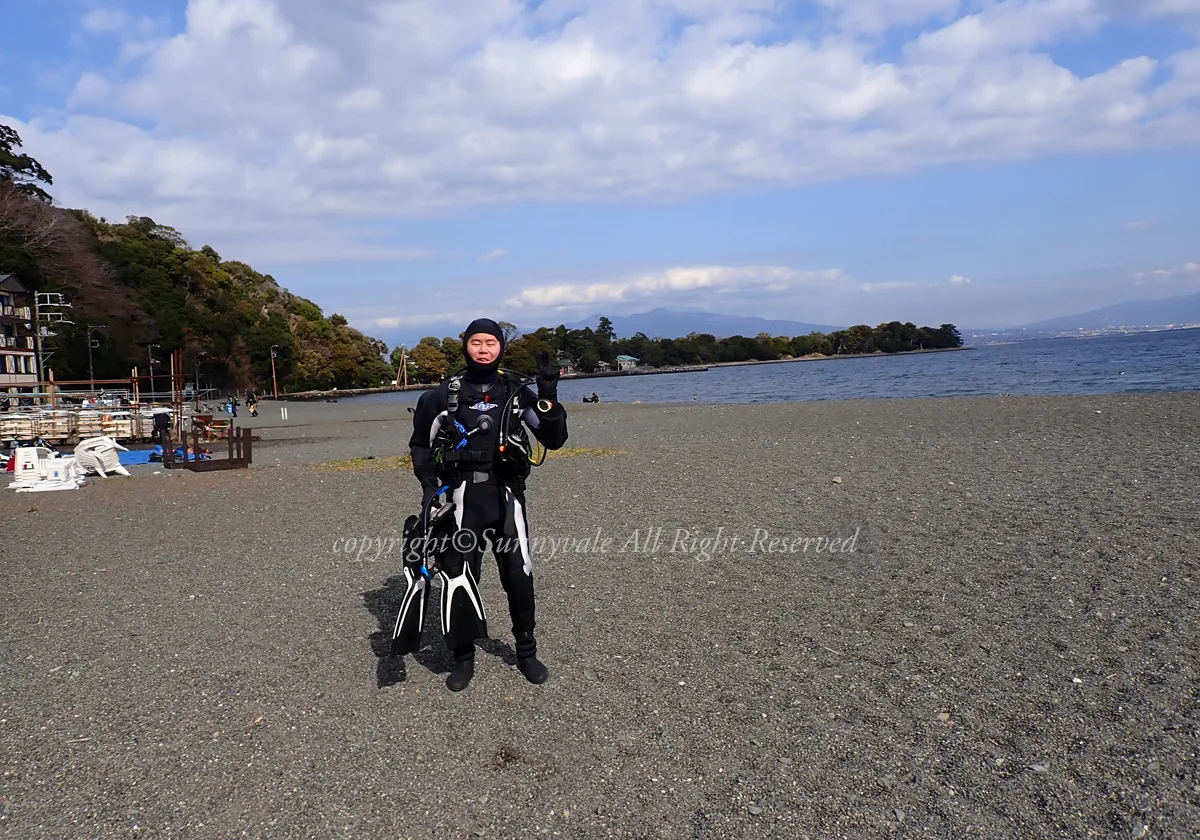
652	354
20	169
429	359
452	352
947	335
509	331
517	357
606	329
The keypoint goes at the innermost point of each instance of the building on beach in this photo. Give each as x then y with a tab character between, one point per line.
18	361
627	362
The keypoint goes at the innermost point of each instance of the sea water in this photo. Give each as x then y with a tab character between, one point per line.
1139	363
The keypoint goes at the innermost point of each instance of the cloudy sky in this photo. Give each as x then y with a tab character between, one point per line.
411	163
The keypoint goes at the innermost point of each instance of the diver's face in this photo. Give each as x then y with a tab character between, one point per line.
483	348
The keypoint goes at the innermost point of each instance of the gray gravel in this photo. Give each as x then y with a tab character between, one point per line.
1009	651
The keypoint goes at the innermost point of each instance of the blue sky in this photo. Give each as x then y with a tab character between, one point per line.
413	165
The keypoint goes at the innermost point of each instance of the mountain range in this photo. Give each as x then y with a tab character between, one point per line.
657	323
670	323
1135	313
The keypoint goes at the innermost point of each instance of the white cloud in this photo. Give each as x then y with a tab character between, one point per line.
875	16
492	256
888	285
91	88
299	250
1171	7
687	282
271	110
105	20
1009	25
392	322
362	99
1189	270
959	280
1141	225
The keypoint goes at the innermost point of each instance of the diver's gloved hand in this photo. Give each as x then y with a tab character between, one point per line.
547	376
428	493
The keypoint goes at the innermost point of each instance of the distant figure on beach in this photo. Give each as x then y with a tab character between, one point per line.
592	399
162	425
469	438
252	403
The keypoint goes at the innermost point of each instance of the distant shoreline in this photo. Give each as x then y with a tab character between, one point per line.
821	358
309	396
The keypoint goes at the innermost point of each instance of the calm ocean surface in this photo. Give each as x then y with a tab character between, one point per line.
1145	363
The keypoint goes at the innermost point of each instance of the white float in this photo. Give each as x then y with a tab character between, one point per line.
100	455
39	468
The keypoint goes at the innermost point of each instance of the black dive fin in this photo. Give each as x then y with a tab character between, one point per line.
463	616
406	635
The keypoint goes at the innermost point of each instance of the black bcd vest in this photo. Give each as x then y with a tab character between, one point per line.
468	402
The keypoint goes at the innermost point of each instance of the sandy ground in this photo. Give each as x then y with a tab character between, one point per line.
1008	650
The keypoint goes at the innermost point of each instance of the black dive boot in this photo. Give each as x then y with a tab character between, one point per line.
464	669
527	661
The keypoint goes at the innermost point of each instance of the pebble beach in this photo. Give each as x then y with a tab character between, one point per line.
934	618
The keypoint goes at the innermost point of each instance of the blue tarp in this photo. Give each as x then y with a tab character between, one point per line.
135	456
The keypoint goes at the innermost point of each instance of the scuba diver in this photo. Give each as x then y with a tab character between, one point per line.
469	441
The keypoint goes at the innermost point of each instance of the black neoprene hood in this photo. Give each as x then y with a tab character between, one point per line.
488	327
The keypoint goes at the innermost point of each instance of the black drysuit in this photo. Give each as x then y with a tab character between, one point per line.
489	496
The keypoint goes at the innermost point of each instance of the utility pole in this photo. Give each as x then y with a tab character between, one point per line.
196	384
274	381
51	302
37	337
150	356
92	344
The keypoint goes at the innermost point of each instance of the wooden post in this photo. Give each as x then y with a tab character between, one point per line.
177	387
171	377
249	443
